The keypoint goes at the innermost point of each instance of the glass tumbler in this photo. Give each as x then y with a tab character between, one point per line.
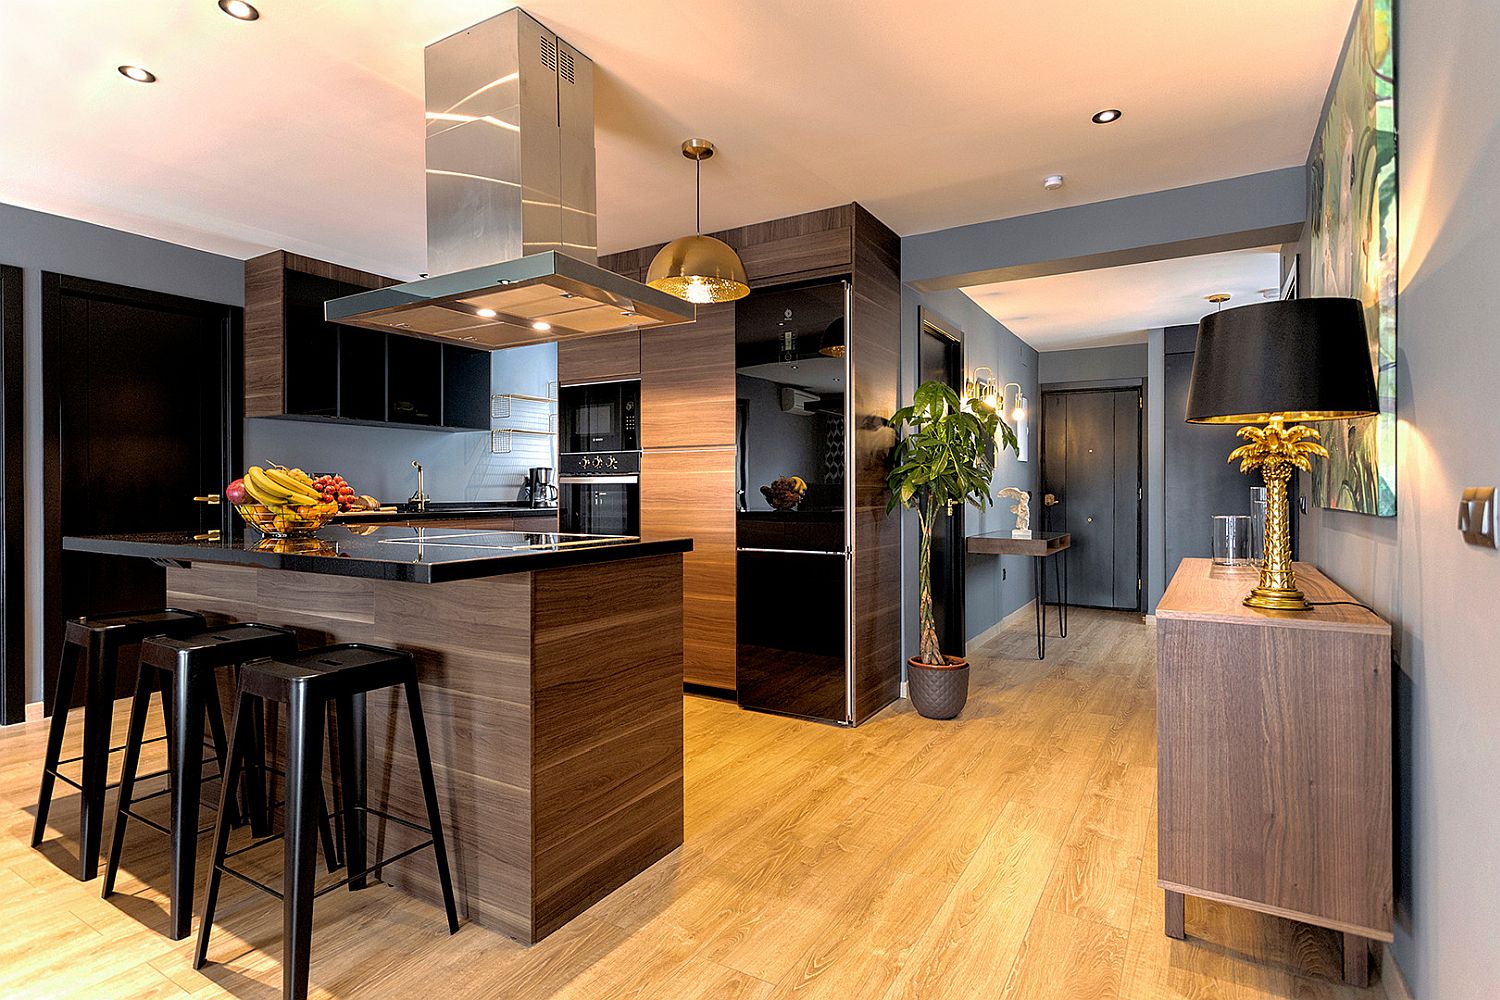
1257	524
1232	539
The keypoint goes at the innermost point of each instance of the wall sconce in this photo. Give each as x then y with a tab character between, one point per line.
983	386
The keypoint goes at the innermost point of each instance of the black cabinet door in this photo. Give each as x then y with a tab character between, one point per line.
466	387
1091	466
415	383
146	420
790	633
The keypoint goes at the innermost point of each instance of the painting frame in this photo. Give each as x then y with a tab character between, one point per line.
1353	203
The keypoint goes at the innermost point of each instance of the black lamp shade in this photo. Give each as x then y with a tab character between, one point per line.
1299	359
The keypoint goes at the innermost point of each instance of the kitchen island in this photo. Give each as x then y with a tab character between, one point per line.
551	672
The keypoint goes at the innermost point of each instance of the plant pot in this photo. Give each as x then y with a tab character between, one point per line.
938	692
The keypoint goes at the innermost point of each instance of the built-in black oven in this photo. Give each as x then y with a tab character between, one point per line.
600	417
600	493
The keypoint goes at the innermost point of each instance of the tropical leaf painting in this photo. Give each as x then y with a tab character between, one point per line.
1352	208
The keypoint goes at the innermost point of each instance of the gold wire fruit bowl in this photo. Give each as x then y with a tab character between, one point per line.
287	522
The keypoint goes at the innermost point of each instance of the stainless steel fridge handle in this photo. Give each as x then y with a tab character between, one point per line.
794	552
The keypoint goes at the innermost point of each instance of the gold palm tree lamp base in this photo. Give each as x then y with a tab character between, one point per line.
1277	451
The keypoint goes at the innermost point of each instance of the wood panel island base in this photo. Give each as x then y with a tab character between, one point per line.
1274	756
552	689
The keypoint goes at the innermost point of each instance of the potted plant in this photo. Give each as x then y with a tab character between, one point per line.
942	459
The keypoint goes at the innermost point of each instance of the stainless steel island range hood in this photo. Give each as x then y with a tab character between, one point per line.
511	204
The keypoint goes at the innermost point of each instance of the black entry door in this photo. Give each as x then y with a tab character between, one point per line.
143	417
940	358
1091	473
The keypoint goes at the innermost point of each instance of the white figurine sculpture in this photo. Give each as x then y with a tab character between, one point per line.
1022	510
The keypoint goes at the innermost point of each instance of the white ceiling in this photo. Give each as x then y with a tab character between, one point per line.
304	129
1117	305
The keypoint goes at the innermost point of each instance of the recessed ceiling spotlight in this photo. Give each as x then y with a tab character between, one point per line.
239	9
1052	182
541	326
1106	116
485	313
137	74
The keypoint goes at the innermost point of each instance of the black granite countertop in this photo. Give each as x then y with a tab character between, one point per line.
386	552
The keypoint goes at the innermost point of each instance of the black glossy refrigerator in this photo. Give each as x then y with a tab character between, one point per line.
793	537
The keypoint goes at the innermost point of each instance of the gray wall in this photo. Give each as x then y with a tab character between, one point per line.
1093	364
1256	210
1439	593
37	242
988	598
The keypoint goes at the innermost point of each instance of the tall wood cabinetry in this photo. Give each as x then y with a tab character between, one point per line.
688	414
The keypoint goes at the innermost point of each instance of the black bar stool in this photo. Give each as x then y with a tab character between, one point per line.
100	636
340	675
186	669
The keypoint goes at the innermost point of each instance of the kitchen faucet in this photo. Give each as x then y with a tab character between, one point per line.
419	498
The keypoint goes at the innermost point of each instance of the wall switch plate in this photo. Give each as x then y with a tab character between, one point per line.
1302	503
1476	516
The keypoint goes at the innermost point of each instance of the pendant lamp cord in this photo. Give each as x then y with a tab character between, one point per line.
698	201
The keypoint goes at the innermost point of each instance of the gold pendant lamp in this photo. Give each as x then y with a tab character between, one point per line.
699	268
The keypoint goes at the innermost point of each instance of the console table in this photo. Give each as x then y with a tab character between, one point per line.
1274	756
1039	546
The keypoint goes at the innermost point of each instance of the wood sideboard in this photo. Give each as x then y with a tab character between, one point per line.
1274	756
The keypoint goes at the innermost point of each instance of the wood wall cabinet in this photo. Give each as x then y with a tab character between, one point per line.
1274	756
597	359
687	382
691	492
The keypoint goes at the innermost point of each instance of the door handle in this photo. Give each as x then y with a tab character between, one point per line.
212	499
1050	500
212	535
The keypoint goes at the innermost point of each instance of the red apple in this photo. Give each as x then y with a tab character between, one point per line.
236	493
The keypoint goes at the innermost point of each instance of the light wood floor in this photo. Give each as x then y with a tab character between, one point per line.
1011	854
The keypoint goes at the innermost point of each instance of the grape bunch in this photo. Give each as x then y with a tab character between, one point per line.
333	489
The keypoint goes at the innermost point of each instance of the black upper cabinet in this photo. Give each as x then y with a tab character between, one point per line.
415	381
466	387
361	374
346	373
312	345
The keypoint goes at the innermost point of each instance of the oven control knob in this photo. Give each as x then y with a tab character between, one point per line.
613	462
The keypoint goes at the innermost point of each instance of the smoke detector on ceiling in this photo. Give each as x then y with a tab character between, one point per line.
1052	182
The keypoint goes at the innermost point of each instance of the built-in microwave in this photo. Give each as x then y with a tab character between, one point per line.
600	417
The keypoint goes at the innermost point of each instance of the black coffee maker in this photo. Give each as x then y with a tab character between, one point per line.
541	486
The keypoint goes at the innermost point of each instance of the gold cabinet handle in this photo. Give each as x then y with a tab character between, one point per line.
212	499
211	535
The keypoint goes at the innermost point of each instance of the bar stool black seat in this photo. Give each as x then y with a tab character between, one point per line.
186	669
100	637
342	675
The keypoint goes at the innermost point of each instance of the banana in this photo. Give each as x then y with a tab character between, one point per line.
295	490
267	490
260	492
